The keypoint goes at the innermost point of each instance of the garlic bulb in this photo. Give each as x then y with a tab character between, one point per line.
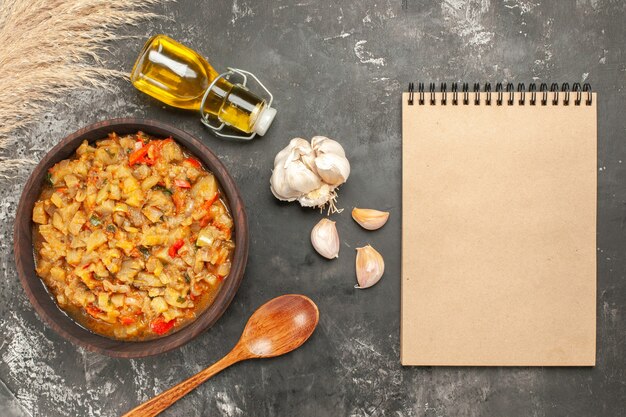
370	219
370	267
310	172
325	239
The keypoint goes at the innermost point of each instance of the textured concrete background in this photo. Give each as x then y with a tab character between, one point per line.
338	68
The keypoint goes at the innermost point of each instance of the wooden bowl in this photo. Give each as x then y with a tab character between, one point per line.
46	306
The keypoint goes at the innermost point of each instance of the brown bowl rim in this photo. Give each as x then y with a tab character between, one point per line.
47	308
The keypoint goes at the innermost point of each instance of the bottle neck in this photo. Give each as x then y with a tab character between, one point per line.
234	105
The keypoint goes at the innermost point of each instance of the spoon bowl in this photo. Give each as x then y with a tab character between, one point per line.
280	326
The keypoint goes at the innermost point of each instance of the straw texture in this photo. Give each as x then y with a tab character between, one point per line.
48	47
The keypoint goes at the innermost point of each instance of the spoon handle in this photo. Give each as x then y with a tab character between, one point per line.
162	401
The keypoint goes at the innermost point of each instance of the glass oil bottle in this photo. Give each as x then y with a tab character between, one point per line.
180	77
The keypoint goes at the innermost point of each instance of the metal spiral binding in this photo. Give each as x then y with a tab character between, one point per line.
465	94
555	91
532	89
510	89
455	96
432	94
544	93
577	89
565	89
477	94
587	88
560	94
444	93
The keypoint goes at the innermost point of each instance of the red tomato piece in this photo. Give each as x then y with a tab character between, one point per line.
209	202
207	205
93	311
182	183
127	320
193	162
173	250
138	156
160	326
147	154
179	201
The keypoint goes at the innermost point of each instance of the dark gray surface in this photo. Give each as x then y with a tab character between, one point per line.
338	70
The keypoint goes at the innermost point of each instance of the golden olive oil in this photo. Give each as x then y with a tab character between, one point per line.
179	77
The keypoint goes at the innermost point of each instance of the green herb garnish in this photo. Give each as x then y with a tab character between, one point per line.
187	279
95	221
181	299
144	250
162	189
111	228
48	179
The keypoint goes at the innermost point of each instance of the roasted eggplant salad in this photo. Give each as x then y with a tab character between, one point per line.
132	237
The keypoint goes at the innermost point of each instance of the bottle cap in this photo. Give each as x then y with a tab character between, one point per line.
264	120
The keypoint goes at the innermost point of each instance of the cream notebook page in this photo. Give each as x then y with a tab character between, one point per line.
498	233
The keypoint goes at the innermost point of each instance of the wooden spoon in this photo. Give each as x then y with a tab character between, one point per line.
277	327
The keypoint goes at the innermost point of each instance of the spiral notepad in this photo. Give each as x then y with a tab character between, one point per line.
499	225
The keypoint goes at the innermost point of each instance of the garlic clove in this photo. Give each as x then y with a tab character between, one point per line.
309	161
279	186
333	169
300	178
325	239
301	145
370	219
301	151
370	267
299	155
281	156
322	144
